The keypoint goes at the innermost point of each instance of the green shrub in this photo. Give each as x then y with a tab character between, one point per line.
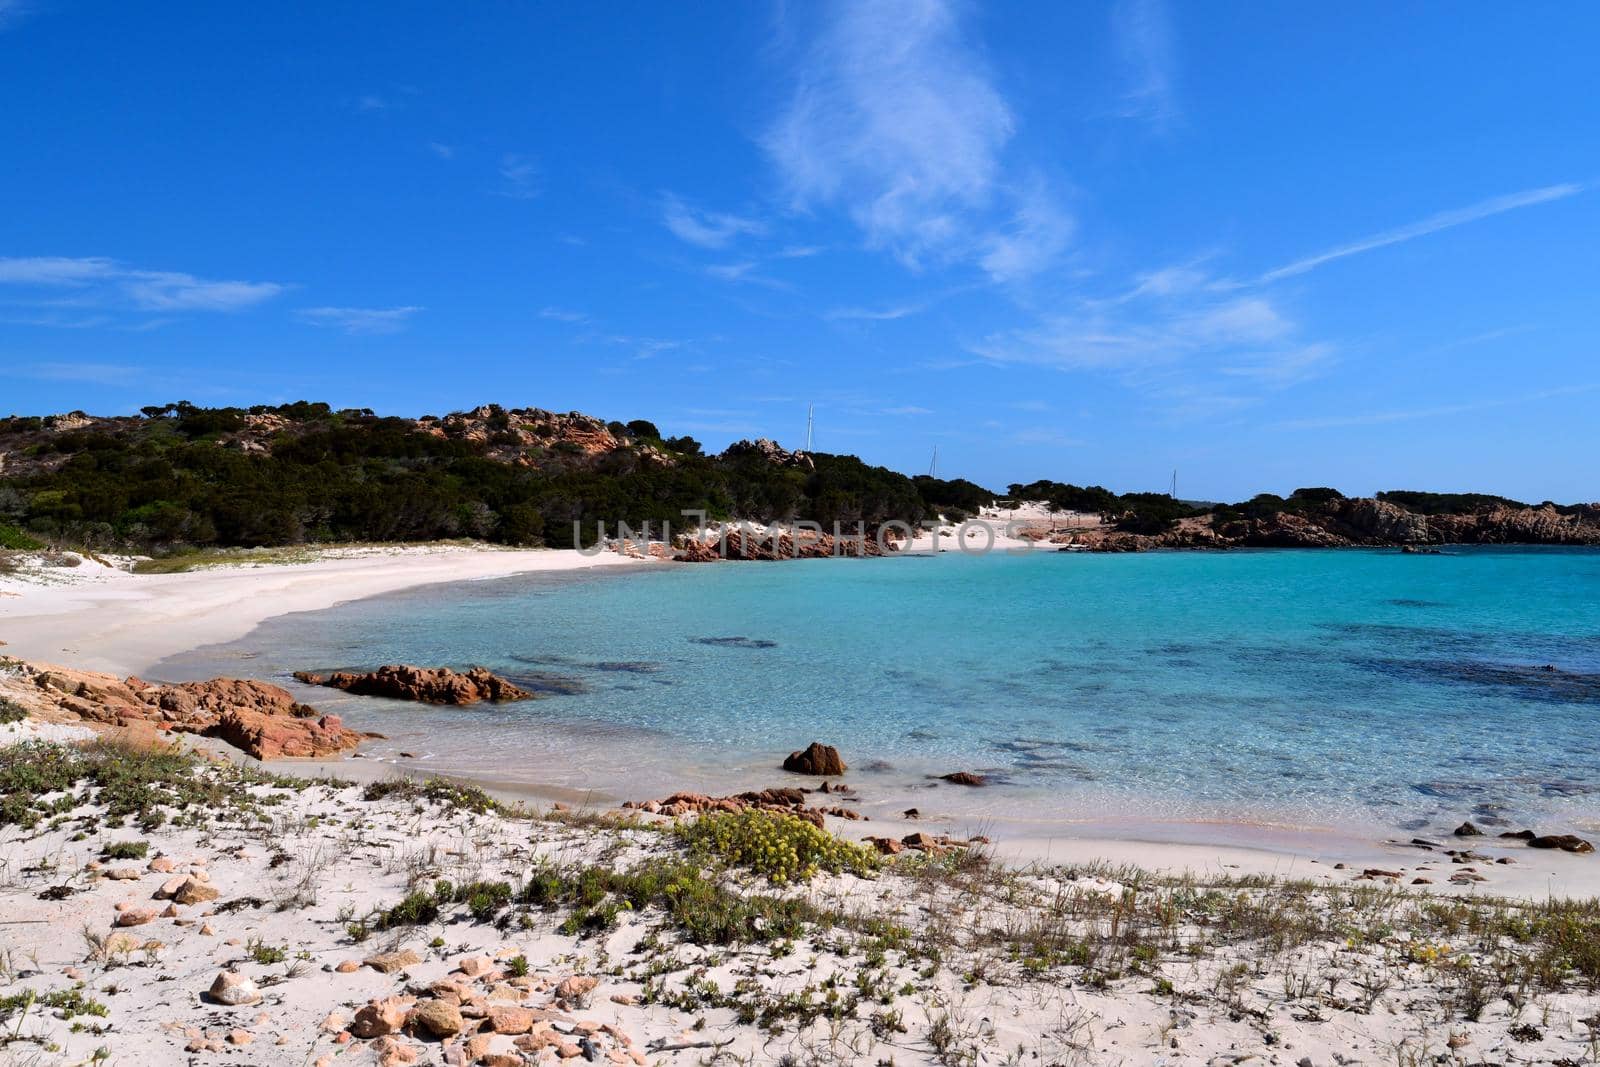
782	848
126	850
11	712
417	909
11	537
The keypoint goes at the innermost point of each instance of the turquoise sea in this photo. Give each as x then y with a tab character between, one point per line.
1358	690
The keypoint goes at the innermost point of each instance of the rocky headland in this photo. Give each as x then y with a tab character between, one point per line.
259	719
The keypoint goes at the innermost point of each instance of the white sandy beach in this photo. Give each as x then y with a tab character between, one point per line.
106	619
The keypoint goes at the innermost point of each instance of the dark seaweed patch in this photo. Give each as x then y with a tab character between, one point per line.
735	642
1544	682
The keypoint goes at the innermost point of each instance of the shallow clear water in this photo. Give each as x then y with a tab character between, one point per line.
1347	689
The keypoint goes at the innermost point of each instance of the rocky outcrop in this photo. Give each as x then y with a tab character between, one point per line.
427	685
780	801
801	544
815	758
261	719
769	452
1519	526
1386	522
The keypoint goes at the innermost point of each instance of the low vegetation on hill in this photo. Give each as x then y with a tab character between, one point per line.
183	476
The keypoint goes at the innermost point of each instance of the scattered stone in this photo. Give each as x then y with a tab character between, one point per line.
240	1037
911	813
195	891
392	1052
122	874
816	758
390	962
576	988
505	1020
378	1018
1521	835
1379	872
1466	829
438	1018
136	917
473	966
163	865
233	989
347	966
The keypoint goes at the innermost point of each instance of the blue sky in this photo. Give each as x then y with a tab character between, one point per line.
1268	245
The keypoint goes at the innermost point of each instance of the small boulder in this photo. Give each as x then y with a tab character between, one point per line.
136	917
971	778
1466	829
816	758
510	1020
575	989
378	1018
1565	842
436	1018
195	891
233	989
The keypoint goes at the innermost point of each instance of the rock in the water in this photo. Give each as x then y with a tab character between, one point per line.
1466	829
233	989
1565	842
435	685
964	778
816	758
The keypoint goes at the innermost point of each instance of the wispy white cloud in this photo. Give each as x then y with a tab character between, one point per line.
563	314
443	151
1034	238
708	229
887	314
1444	220
96	281
1188	348
519	177
371	102
359	321
1142	30
908	409
893	117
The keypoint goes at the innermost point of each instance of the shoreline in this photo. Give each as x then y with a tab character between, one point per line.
113	621
107	619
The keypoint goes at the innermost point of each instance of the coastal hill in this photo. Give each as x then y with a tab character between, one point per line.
181	475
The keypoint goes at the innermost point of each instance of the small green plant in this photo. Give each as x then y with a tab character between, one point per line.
417	909
517	966
126	850
782	848
11	712
264	953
